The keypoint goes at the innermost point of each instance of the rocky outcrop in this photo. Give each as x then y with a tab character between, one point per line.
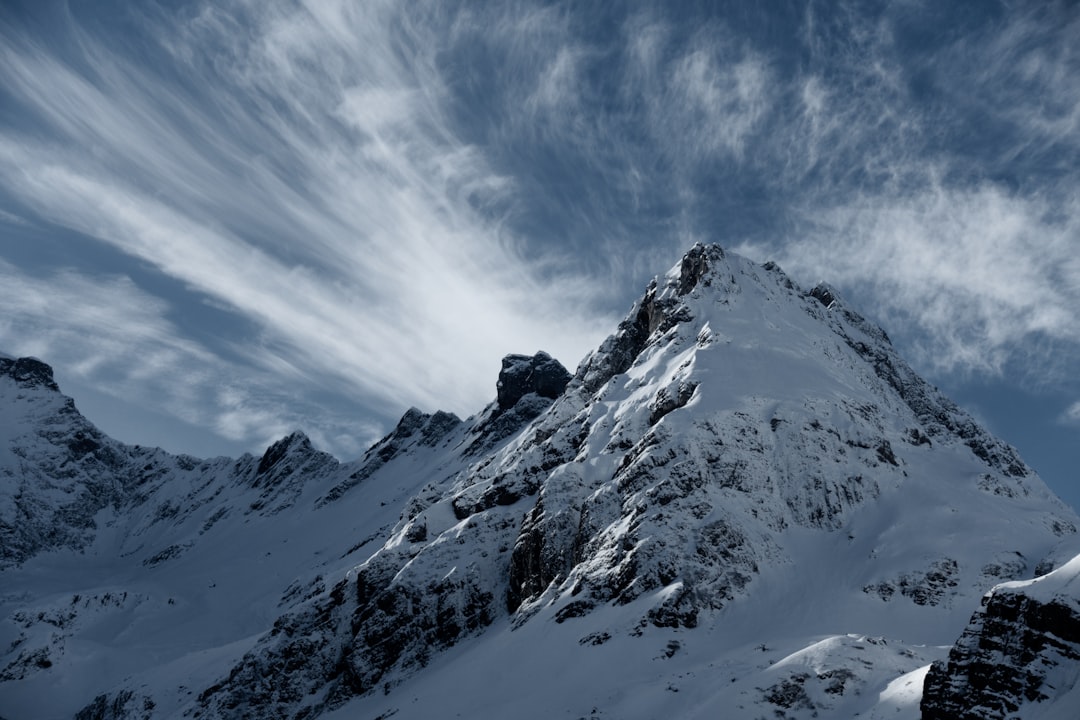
126	705
67	469
659	310
526	387
284	469
930	587
1020	650
28	372
520	375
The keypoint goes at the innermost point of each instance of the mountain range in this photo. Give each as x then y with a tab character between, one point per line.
742	504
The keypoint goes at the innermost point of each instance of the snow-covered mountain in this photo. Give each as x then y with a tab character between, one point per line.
743	504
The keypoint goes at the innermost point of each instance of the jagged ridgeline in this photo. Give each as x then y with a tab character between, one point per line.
744	503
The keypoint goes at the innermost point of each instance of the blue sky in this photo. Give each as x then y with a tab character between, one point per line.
223	220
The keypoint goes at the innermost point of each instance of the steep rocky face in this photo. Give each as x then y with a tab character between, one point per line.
60	469
1019	656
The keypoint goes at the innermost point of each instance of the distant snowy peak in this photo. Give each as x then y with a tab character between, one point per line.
58	472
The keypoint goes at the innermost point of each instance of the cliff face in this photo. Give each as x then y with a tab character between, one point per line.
1018	657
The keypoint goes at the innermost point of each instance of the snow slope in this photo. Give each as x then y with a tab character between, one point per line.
742	504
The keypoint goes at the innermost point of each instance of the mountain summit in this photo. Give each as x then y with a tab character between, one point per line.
744	503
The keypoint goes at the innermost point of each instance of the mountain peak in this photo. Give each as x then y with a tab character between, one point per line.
28	372
295	441
695	265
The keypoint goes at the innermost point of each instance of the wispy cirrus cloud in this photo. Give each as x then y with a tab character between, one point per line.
113	335
982	275
1018	77
389	197
304	176
911	183
1071	416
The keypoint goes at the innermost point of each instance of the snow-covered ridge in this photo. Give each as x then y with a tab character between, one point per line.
742	503
1060	585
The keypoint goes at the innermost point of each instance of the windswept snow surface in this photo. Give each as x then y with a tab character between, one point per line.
1061	585
743	505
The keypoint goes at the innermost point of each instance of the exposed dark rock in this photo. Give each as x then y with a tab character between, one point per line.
885	453
544	552
501	424
596	638
173	551
521	375
124	705
790	693
1016	650
668	399
824	294
619	351
29	372
527	386
297	442
693	268
573	609
931	587
659	310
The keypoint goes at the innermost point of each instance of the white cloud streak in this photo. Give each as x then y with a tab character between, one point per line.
313	186
705	100
303	165
961	249
1071	416
113	335
983	275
